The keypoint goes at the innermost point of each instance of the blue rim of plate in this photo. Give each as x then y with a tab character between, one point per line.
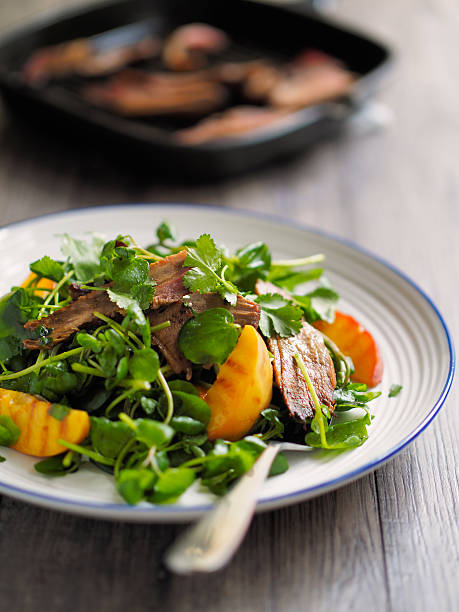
271	503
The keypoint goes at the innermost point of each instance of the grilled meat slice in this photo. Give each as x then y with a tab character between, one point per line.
81	57
245	312
136	93
168	275
187	46
309	345
233	122
167	339
303	86
77	315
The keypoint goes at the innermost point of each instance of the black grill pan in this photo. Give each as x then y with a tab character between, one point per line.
257	30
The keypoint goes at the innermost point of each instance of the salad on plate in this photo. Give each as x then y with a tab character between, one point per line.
177	362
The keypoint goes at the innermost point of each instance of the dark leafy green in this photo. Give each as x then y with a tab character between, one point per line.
48	268
9	431
209	337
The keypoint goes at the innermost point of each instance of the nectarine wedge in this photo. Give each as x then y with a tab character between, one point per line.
243	388
356	342
40	431
43	283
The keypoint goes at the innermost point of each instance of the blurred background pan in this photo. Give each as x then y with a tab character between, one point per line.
256	29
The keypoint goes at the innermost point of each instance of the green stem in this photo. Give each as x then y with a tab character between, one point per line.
290	263
333	348
160	326
54	292
79	367
116	327
317	407
168	394
119	399
86	451
124	451
37	366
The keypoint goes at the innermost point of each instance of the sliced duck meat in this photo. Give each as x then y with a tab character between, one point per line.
81	57
245	312
138	93
309	345
77	315
233	122
188	46
76	291
168	275
313	83
167	339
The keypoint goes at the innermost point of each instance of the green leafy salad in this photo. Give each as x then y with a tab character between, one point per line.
143	348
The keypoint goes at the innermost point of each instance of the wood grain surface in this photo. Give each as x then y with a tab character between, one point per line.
388	542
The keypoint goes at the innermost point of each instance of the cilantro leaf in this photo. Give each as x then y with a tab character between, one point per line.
353	395
207	261
249	264
84	255
165	231
278	316
318	304
132	287
209	337
9	431
49	268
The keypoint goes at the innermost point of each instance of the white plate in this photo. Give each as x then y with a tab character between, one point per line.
414	340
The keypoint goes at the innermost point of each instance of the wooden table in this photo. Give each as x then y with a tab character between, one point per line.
386	542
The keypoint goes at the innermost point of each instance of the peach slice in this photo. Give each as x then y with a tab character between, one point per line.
356	342
40	431
243	388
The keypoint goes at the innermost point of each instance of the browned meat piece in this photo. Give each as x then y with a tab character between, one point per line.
261	80
187	47
311	84
81	57
168	274
76	291
57	61
134	92
309	345
167	339
233	122
245	312
111	60
75	316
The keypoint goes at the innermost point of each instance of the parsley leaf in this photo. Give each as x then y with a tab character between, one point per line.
278	316
48	268
207	263
209	337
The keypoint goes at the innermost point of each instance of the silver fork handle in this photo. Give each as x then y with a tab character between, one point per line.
212	541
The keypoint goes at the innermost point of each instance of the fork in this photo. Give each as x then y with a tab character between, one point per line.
209	544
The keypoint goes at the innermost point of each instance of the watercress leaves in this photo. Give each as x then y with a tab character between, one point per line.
9	431
394	390
12	320
278	316
209	337
349	434
109	437
206	275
